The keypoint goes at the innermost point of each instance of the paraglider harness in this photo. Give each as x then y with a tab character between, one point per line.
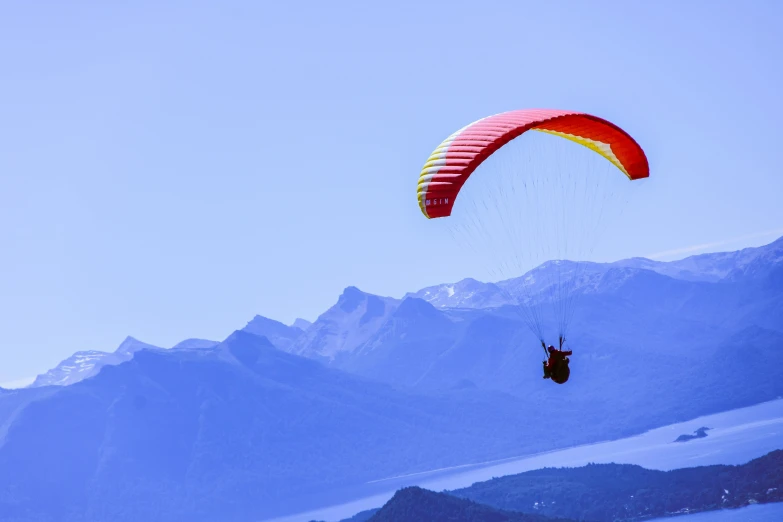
559	370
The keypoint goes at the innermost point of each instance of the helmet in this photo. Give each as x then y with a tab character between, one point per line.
551	348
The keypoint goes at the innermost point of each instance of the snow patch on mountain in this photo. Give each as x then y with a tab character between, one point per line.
84	364
467	293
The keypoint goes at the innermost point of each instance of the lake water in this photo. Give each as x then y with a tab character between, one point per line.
757	513
735	437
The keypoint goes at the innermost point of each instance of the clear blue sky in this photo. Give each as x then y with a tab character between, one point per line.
170	169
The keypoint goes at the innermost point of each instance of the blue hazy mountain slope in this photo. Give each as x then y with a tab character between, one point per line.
194	344
302	324
355	317
238	431
13	402
279	334
405	346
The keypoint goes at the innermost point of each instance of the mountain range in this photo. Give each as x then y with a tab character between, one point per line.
237	431
359	327
638	321
278	417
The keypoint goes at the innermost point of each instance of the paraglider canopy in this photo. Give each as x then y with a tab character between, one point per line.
458	156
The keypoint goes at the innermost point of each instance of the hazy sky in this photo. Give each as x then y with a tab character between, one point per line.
170	169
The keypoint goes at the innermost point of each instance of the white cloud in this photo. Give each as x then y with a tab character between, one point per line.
706	246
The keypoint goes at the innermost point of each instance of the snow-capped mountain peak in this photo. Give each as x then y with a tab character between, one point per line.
84	364
467	293
589	277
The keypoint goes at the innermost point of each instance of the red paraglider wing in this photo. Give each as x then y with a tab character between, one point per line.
452	163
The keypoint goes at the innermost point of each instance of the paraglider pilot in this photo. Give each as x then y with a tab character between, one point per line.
556	357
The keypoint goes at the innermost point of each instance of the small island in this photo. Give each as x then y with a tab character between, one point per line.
698	434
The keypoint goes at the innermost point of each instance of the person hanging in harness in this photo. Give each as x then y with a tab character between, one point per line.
556	367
